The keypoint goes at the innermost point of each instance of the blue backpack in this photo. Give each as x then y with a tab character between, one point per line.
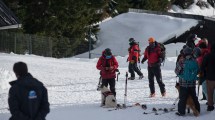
190	70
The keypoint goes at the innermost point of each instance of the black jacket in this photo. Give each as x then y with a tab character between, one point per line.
28	99
208	64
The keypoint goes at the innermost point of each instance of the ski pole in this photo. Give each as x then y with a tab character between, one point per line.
139	66
125	95
99	84
198	90
117	70
198	87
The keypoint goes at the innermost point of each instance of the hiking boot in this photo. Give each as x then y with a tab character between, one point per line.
131	78
141	77
163	94
179	114
152	95
210	108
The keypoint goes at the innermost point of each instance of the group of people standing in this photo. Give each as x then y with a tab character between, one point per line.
108	65
196	57
28	98
196	62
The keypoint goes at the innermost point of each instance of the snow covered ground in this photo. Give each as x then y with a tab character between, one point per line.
72	82
72	91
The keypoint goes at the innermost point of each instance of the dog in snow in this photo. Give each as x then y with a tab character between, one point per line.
108	99
190	104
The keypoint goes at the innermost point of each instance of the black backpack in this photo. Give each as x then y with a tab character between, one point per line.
163	51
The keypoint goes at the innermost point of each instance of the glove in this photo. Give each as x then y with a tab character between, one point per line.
143	60
111	68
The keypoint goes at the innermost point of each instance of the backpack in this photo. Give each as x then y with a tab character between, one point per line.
163	51
190	70
139	54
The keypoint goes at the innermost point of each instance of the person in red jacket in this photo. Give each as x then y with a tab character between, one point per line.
133	58
153	54
204	50
204	42
107	64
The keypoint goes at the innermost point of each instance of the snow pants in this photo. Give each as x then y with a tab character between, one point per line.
132	67
155	71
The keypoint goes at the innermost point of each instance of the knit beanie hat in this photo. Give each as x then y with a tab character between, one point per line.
187	51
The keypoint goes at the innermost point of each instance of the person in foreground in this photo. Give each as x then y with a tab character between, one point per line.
28	98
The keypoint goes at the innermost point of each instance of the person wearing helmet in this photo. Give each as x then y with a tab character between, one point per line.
107	64
133	58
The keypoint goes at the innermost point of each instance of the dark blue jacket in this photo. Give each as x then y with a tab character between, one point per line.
28	99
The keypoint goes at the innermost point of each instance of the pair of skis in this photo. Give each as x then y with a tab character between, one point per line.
156	111
123	106
165	110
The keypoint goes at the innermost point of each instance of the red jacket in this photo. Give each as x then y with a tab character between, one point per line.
152	54
134	53
208	45
204	52
103	63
